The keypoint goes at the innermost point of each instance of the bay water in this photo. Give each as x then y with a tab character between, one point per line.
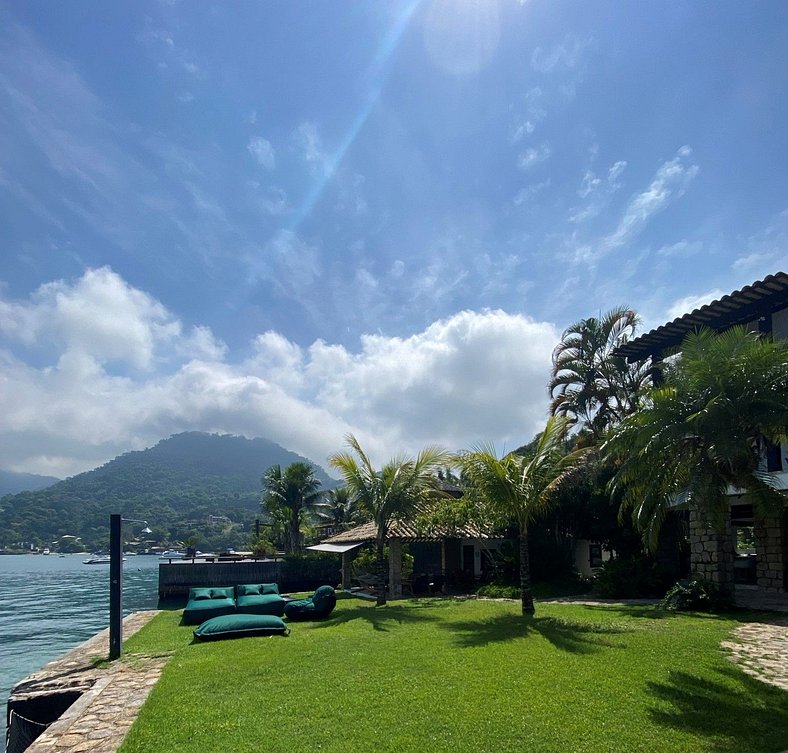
49	604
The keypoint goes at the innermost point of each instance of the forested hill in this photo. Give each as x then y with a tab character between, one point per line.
175	486
12	482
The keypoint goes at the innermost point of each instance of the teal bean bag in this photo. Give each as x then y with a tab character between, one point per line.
240	626
316	607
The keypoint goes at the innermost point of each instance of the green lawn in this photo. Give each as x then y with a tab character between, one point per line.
441	675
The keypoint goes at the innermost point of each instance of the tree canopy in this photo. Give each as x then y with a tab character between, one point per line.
522	487
587	380
400	489
701	433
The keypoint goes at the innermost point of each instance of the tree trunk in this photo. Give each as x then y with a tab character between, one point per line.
381	566
295	531
526	597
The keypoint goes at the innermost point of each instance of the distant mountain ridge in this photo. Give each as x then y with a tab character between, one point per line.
12	482
174	485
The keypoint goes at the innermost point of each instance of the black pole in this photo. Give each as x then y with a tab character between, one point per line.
257	528
115	587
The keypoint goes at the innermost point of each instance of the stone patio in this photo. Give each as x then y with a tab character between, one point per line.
112	694
761	650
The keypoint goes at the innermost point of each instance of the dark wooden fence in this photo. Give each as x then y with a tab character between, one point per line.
176	578
294	573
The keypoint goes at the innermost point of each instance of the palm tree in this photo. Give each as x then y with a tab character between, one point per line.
701	431
289	496
401	488
339	508
590	383
522	487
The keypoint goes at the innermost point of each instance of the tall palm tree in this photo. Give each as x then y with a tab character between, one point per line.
590	383
701	431
523	487
339	508
289	496
402	487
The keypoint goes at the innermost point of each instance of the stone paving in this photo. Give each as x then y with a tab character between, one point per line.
114	693
761	650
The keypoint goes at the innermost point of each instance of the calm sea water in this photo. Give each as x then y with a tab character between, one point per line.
51	604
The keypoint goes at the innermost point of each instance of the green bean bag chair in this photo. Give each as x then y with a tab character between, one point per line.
316	607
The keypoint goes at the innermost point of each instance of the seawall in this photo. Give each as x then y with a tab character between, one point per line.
79	703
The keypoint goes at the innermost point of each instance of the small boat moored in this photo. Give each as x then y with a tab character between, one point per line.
98	559
172	554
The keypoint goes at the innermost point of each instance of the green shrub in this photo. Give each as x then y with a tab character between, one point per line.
629	579
498	591
306	572
694	596
366	561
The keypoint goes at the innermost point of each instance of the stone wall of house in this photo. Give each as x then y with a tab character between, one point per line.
712	551
770	549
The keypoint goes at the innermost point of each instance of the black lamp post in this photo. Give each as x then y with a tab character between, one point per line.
116	581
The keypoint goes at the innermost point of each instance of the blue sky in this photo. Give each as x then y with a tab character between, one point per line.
296	220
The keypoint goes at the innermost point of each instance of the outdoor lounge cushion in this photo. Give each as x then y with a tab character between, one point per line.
205	603
257	589
240	626
261	604
316	607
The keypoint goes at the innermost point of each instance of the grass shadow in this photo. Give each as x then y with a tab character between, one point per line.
752	717
566	635
655	612
380	618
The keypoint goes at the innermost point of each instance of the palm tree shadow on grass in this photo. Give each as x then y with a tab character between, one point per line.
751	717
381	618
567	635
655	612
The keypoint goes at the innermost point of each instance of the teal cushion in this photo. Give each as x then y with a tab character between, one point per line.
257	589
240	626
197	594
223	593
268	604
199	611
248	590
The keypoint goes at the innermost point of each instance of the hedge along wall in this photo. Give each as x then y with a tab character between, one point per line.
306	572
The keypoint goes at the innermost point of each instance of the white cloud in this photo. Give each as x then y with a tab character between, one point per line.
534	156
100	317
689	303
680	249
568	54
308	141
201	344
669	183
524	195
275	201
518	132
597	192
766	250
263	152
185	97
471	376
288	262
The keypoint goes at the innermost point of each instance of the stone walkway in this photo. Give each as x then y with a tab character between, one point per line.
113	694
761	650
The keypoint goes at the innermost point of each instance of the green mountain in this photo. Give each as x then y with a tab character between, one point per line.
12	482
192	484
